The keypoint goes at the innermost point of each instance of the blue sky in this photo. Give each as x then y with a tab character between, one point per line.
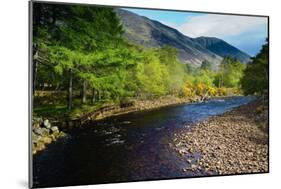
244	32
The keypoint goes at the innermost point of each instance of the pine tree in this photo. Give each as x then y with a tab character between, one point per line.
255	79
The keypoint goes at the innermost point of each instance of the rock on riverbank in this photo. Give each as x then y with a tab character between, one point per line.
228	144
43	133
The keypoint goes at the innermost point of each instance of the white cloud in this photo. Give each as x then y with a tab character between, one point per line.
170	24
215	25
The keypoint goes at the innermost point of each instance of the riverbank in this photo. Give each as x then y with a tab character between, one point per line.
138	105
231	143
111	110
43	133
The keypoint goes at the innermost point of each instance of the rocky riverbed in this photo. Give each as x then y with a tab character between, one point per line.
43	133
234	142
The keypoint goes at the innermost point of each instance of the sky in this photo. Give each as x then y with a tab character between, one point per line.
247	33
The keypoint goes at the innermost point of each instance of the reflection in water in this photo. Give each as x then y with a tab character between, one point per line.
135	146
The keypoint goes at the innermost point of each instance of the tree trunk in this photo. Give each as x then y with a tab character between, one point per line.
35	56
94	96
34	76
220	81
57	87
69	100
98	95
84	89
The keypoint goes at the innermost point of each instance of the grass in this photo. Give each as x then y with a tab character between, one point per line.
51	110
61	112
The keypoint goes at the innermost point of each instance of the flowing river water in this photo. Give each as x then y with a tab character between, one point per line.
130	147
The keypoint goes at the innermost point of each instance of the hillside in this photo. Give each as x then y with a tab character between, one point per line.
222	48
150	33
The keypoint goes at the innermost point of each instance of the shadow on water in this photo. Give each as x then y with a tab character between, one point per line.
135	146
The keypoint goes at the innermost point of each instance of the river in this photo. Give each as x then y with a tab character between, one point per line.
131	147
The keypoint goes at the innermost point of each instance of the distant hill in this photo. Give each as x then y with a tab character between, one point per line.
222	48
150	33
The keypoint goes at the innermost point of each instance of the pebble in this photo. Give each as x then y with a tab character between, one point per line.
229	144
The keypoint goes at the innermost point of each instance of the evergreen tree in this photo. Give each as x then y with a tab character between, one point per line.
255	79
206	65
77	41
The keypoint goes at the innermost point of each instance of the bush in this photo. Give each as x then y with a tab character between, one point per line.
212	91
255	79
188	90
221	91
126	102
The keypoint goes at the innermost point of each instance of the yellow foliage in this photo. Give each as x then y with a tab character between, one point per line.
212	91
200	89
221	91
188	90
237	91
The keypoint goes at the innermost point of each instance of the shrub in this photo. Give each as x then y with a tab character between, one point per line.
221	91
126	102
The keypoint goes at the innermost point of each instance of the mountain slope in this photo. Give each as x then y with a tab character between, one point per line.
222	48
150	33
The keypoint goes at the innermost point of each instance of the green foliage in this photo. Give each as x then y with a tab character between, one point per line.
207	81
175	70
70	37
88	41
255	79
206	65
151	75
230	73
159	72
204	76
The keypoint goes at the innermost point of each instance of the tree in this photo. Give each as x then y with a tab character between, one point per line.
45	31
255	79
151	75
176	70
70	38
230	72
206	65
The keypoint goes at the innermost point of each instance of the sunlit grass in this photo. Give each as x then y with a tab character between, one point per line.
62	112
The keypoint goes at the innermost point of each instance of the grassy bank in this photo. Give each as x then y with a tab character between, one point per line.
103	109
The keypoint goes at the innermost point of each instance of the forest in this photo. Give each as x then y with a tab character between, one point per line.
81	61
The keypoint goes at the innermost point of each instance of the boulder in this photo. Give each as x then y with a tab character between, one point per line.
40	146
37	120
47	124
55	129
61	134
53	137
46	140
35	137
41	131
36	125
34	151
